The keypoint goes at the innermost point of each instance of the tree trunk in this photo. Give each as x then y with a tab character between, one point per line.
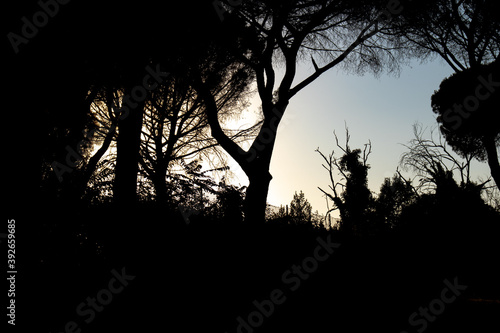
256	197
257	168
127	154
256	161
492	154
163	159
160	184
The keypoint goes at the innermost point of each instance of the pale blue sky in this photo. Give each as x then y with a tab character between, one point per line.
382	110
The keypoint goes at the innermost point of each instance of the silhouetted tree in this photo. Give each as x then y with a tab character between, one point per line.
467	105
189	185
466	34
436	168
300	209
176	128
354	200
145	40
395	194
87	62
281	216
66	145
128	141
272	32
99	188
227	207
106	125
434	163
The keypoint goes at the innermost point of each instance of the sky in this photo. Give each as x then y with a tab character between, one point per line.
382	110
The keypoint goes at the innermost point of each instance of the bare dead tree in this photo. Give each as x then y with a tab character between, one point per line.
431	158
349	195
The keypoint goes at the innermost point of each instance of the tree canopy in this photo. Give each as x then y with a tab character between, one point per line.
468	106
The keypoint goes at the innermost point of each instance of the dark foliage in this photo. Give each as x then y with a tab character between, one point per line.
197	263
468	110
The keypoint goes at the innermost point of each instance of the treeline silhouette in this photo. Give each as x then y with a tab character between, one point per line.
199	266
115	133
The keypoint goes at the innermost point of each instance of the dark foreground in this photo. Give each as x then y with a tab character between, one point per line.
104	271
